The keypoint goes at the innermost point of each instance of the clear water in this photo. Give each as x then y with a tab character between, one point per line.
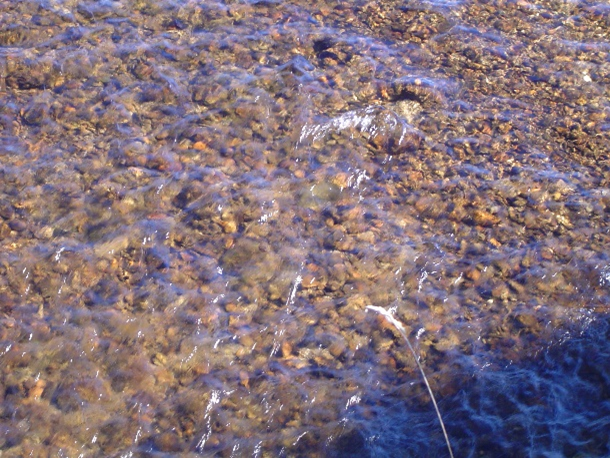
198	200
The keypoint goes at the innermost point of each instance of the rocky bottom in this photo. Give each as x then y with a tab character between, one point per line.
199	200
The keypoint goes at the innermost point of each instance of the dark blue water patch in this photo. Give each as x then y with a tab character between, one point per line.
556	405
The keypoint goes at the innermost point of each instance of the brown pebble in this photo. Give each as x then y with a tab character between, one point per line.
159	359
199	145
424	203
246	340
228	224
244	379
6	210
473	274
37	389
527	321
5	230
167	442
500	292
484	218
337	348
286	349
44	233
310	281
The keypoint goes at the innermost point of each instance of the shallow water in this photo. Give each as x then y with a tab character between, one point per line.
198	200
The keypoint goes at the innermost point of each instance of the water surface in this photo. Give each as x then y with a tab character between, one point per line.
198	200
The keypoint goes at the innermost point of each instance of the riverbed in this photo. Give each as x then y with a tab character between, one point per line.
199	200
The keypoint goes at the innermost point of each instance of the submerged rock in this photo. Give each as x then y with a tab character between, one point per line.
383	128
